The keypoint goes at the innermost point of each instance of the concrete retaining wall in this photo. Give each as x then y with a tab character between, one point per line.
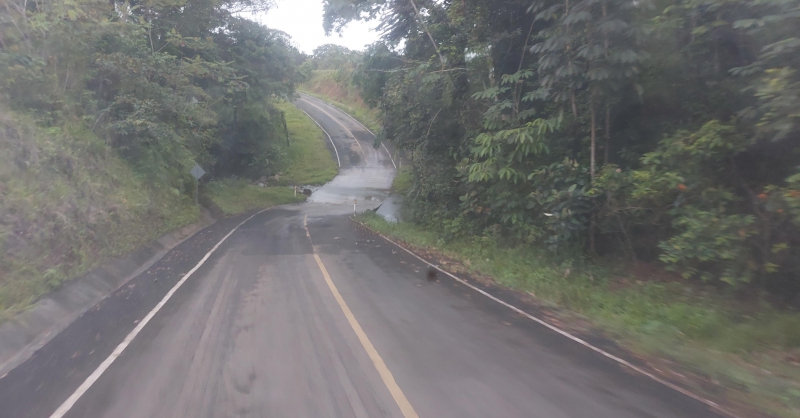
31	329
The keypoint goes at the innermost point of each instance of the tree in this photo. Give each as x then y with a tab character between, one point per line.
665	131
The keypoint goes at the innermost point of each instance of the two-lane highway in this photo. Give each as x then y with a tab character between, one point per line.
299	313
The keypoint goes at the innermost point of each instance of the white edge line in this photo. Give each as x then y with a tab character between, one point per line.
333	118
362	125
578	340
70	402
387	153
338	161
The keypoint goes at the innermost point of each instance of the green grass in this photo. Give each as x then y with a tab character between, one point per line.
236	196
323	85
310	162
402	181
742	346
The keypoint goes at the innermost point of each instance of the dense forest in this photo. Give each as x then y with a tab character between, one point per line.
105	106
663	131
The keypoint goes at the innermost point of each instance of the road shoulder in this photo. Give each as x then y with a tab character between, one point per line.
563	325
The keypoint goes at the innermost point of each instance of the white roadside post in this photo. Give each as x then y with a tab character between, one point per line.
354	207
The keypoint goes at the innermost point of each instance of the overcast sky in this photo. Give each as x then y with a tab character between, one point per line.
302	19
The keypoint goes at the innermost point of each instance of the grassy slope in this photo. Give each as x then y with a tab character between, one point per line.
402	181
743	348
323	86
309	163
239	196
67	203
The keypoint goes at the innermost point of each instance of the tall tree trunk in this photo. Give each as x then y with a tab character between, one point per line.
574	104
593	134
607	131
605	31
593	152
425	28
569	63
518	87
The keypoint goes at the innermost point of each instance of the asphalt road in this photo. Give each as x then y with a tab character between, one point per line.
299	313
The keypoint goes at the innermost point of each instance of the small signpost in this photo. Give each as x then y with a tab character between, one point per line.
197	172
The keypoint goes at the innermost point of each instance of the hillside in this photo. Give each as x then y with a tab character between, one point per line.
68	202
104	111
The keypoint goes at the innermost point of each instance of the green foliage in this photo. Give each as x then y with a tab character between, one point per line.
685	176
662	131
252	129
67	203
105	107
791	196
501	153
778	93
166	86
334	57
708	240
562	195
373	71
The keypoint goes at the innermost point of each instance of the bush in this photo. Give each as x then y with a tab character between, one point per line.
710	245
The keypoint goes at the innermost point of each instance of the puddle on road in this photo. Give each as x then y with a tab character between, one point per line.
369	185
367	180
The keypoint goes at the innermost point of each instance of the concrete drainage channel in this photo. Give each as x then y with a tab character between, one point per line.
27	332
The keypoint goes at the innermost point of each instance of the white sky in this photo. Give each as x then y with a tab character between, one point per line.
302	19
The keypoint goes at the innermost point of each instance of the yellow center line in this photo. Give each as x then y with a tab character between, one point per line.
340	124
380	365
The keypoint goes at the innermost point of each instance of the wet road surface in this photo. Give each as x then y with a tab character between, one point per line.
366	172
299	313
